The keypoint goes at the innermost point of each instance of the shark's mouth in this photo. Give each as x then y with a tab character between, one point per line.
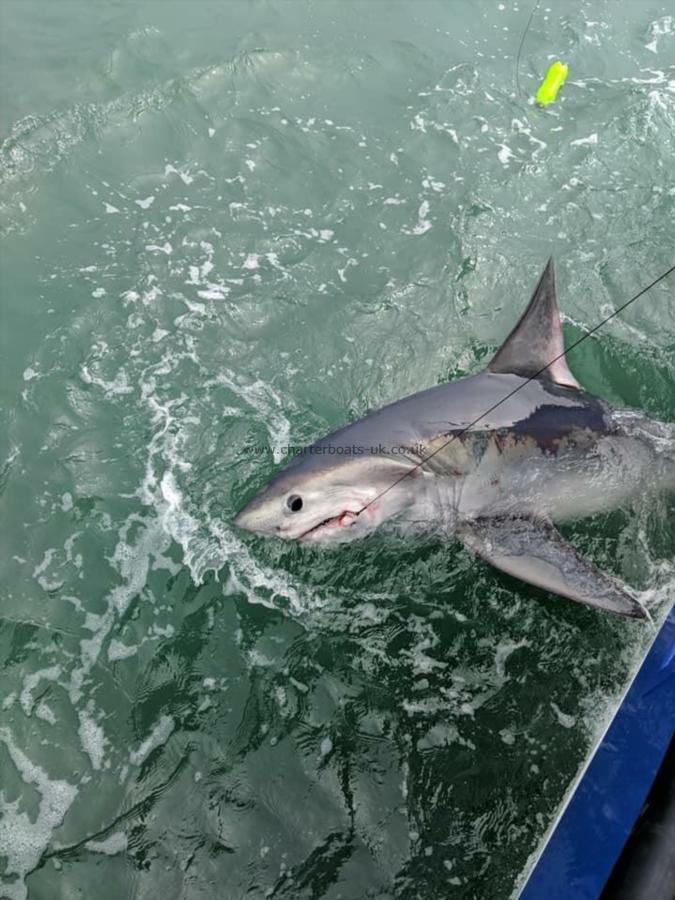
343	520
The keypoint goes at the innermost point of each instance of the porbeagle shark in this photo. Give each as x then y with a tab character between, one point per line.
495	458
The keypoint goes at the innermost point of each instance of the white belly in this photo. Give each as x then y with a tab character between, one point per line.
570	485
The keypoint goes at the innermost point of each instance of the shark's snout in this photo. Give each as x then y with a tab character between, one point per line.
254	517
240	519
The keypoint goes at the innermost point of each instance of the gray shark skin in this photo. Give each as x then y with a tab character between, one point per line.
548	451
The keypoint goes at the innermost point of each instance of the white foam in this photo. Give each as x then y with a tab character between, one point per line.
418	123
504	649
158	736
165	248
423	224
110	846
659	28
504	154
132	561
46	560
185	177
24	841
31	682
118	385
266	402
92	737
590	140
214	292
45	713
564	719
117	650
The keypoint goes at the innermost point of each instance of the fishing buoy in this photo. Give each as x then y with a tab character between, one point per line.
555	78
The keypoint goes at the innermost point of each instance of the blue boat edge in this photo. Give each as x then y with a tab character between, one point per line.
615	834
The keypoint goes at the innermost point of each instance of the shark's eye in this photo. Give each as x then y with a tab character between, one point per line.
294	503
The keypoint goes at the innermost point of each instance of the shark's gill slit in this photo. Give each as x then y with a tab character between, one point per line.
547	451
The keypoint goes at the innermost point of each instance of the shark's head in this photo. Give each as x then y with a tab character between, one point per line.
325	500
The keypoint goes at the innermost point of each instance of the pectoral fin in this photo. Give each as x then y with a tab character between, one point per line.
534	551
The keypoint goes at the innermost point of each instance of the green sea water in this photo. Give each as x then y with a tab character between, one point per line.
234	225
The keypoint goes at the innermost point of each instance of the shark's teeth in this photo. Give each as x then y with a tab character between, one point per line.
340	521
346	518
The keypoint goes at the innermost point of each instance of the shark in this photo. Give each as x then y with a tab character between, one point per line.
496	459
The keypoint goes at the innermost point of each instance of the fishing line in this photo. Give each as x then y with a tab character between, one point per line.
464	430
522	41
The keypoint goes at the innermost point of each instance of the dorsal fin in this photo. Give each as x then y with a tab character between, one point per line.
537	338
